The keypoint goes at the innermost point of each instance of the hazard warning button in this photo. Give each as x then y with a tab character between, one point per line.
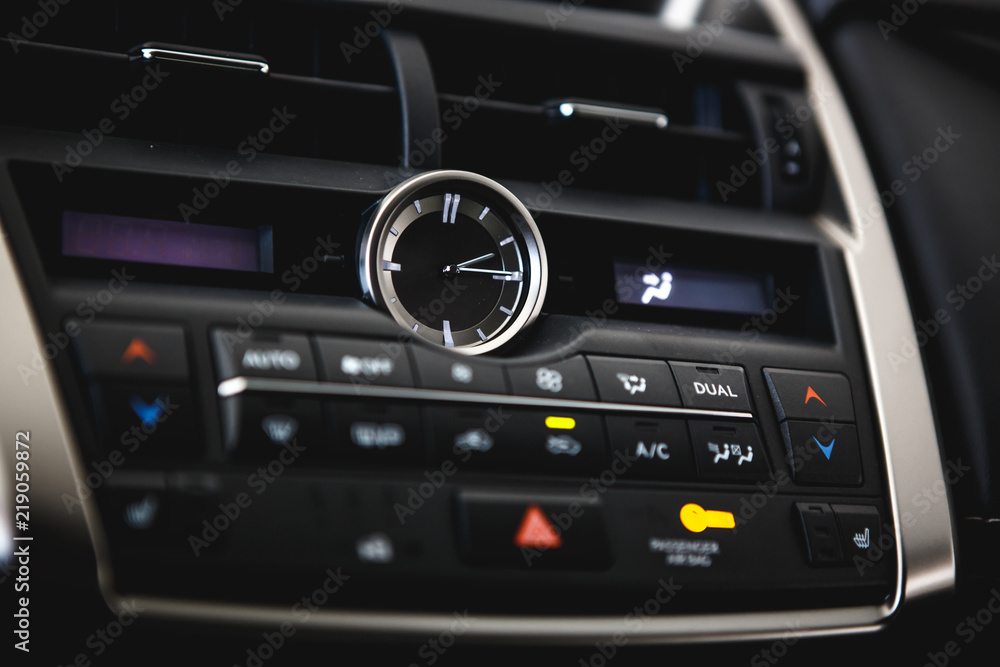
529	532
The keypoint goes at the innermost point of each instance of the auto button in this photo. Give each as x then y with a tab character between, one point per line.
278	355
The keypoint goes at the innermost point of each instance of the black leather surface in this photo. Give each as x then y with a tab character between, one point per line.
907	91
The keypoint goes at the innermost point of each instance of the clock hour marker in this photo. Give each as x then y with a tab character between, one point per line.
448	340
514	277
486	209
390	266
416	205
481	334
415	326
506	311
450	208
509	239
393	231
392	300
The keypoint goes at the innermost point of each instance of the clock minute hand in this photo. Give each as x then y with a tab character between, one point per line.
475	261
489	271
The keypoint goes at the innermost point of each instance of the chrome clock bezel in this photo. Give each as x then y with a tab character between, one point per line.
377	286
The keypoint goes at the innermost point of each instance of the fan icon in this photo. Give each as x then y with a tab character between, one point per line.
549	380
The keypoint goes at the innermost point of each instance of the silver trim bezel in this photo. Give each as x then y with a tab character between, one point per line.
373	239
901	399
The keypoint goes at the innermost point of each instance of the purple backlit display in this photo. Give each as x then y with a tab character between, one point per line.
124	238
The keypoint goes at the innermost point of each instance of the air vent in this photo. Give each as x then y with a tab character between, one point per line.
69	68
509	109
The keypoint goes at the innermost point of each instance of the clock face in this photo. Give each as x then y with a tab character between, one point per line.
456	259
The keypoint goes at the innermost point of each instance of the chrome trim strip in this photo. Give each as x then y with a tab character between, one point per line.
926	559
238	385
31	401
568	109
205	59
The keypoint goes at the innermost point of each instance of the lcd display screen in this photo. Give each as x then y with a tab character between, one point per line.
117	237
715	290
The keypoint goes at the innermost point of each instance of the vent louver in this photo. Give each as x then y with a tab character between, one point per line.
71	71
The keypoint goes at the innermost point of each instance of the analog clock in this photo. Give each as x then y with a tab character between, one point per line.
456	259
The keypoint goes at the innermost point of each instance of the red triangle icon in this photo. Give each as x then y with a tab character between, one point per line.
536	531
138	349
811	393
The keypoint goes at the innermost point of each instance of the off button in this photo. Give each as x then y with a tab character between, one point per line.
712	387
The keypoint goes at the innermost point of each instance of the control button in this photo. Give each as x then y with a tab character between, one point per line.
711	386
728	451
147	421
458	373
532	532
286	356
809	395
860	528
558	379
697	519
124	350
473	436
652	448
363	362
642	381
258	427
375	549
558	442
137	517
823	453
819	527
377	431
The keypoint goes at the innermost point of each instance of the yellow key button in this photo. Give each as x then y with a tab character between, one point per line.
696	518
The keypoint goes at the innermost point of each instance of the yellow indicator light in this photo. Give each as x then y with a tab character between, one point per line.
696	518
564	423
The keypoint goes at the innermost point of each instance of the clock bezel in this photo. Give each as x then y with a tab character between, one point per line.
376	284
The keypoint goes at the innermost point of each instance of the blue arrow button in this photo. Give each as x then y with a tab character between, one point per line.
148	413
826	449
